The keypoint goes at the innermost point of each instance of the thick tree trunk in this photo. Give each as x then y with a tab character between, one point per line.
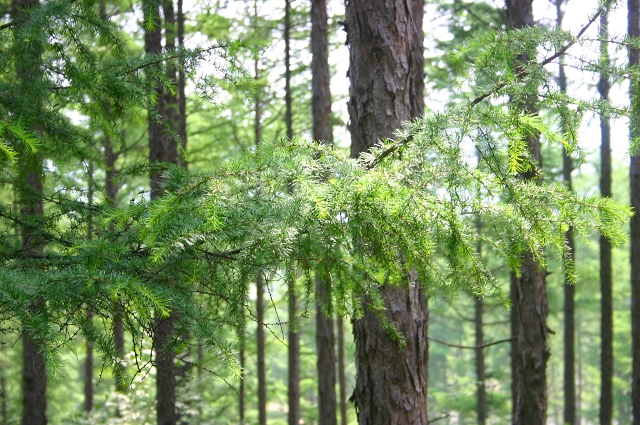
606	277
633	7
321	109
386	72
531	307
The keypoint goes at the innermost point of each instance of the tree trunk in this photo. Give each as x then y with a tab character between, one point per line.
88	373
182	97
633	7
30	192
481	406
262	376
386	72
162	149
606	277
569	288
321	109
241	392
342	379
293	336
531	307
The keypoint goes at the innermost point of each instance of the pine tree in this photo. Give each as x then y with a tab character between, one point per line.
391	381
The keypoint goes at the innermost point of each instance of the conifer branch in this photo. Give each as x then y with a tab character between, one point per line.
499	86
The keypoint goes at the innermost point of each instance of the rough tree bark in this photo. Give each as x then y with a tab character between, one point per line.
633	8
530	351
386	73
321	111
606	277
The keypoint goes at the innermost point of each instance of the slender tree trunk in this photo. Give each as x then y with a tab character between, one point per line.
88	364
241	392
3	387
293	336
321	108
633	7
342	377
569	288
262	372
606	279
34	370
386	72
481	406
262	375
182	96
112	188
162	149
529	298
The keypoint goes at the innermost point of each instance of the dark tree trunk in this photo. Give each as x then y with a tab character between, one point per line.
633	7
112	188
262	375
165	376
531	307
88	373
606	277
30	192
293	336
182	97
162	149
88	364
320	79
325	344
342	378
241	392
481	406
321	108
569	289
386	72
262	371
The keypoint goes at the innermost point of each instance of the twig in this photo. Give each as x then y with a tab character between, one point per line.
468	347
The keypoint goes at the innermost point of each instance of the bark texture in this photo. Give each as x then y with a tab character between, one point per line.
321	111
386	72
529	297
320	76
633	7
606	277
